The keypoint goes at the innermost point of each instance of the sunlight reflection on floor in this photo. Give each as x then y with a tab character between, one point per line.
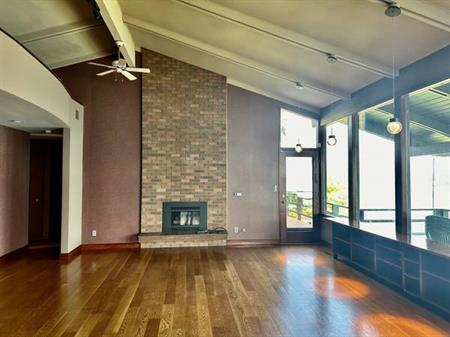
382	325
303	261
340	287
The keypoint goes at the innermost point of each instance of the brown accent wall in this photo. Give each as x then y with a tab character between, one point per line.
183	140
14	177
253	146
111	162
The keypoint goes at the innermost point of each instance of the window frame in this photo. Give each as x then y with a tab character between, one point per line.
401	166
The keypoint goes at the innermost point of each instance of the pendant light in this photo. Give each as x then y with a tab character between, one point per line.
298	147
331	139
394	126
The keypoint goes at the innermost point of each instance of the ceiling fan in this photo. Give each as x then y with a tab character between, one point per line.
120	66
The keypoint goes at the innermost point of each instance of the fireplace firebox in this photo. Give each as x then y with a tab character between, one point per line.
184	217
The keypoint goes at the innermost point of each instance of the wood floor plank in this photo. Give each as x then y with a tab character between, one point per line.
192	292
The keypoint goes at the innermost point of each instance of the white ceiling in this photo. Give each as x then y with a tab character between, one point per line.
58	32
260	44
31	117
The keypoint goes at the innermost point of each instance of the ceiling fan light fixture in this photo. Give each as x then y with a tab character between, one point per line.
394	126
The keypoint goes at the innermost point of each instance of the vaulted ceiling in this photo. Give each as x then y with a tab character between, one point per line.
260	45
58	32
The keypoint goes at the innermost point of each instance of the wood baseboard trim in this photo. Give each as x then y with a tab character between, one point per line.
14	254
110	246
252	243
70	255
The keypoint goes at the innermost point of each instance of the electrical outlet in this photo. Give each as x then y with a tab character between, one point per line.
236	229
94	232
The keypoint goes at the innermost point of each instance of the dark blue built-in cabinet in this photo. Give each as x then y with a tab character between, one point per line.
421	275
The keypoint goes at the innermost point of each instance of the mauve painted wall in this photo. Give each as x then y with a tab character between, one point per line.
253	127
111	162
14	181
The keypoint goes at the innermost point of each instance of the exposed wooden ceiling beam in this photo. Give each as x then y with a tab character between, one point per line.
71	28
230	57
82	58
424	11
287	36
304	107
112	15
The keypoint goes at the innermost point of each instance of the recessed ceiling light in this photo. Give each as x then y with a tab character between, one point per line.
298	85
15	121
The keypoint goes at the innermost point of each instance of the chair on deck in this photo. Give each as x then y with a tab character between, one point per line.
437	229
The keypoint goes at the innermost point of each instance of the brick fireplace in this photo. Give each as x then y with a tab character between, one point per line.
183	140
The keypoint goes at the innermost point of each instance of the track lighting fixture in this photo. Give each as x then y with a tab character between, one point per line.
393	10
298	85
331	58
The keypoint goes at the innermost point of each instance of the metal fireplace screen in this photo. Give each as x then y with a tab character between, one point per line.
184	217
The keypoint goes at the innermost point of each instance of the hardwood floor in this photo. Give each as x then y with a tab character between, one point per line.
270	291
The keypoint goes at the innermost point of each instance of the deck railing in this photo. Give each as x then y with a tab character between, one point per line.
385	214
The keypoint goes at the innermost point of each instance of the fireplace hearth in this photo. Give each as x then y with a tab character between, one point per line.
184	217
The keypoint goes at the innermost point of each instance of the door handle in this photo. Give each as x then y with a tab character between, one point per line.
36	200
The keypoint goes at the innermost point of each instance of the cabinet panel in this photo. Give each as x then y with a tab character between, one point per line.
363	257
389	272
436	290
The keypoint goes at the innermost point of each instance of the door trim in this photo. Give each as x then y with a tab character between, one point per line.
298	235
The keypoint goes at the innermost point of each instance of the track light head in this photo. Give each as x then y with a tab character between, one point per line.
298	85
393	10
331	58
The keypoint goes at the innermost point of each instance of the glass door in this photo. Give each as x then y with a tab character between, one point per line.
299	199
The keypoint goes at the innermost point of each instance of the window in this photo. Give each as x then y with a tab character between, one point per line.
429	115
297	128
337	169
299	191
376	172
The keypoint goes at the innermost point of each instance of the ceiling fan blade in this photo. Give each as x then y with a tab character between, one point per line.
139	70
106	72
128	75
101	65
